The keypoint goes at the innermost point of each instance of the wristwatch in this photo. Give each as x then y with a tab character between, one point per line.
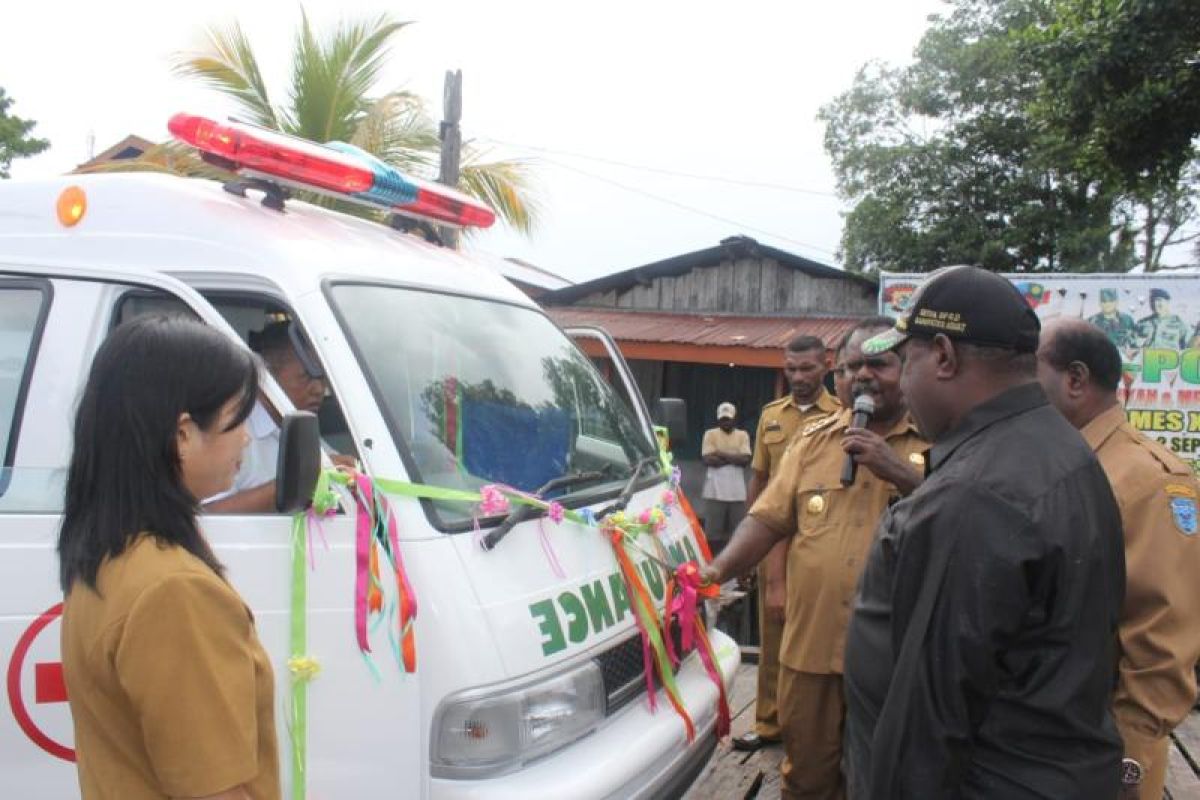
1131	772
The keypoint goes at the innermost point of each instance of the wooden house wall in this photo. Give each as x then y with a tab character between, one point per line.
745	286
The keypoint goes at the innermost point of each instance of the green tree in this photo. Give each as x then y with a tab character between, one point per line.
331	99
1122	78
15	141
957	158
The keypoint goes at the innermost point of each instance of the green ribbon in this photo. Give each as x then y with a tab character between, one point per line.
299	678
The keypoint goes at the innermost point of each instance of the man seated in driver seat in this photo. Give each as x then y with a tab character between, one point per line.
289	358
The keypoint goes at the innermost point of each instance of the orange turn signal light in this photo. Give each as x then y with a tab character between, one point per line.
72	205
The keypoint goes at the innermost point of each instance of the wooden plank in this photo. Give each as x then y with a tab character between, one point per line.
695	281
798	298
1182	781
755	302
734	775
682	288
1188	735
709	295
725	273
740	278
783	287
769	287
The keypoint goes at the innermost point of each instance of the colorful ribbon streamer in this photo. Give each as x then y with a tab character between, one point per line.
377	543
654	649
686	606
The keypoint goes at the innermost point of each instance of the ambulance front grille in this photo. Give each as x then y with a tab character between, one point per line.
621	667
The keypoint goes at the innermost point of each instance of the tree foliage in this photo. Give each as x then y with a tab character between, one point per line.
15	141
961	157
332	97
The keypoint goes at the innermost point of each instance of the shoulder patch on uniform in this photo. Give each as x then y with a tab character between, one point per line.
823	422
1183	513
1181	490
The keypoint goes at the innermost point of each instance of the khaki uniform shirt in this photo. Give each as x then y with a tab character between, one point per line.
779	422
1160	619
171	692
834	526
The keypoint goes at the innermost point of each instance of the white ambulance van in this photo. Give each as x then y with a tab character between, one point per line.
529	680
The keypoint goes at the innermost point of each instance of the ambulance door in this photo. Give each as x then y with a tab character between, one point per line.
603	351
52	320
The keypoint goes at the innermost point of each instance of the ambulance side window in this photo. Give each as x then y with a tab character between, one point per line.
23	307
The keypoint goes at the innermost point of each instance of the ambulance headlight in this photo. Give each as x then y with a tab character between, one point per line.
478	733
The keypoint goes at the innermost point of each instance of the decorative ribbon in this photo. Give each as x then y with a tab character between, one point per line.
686	605
654	650
377	543
302	668
298	646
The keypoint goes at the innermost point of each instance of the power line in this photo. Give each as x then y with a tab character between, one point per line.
686	207
779	187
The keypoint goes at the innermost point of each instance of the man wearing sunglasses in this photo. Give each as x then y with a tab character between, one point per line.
827	525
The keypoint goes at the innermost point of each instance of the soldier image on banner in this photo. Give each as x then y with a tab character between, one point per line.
1162	329
1118	325
1154	321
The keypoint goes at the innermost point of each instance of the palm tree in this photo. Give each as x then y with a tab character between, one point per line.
330	99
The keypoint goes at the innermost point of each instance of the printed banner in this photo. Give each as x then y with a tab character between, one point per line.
1154	320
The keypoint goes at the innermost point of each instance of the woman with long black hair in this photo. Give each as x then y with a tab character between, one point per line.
170	690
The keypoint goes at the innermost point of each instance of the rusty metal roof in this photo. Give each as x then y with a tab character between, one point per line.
704	329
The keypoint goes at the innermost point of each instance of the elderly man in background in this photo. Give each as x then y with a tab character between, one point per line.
726	452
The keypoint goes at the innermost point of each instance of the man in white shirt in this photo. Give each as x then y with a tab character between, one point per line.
726	452
299	374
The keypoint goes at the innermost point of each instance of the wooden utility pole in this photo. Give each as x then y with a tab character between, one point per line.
451	137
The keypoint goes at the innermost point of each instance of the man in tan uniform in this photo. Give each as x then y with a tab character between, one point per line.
827	528
1158	496
805	367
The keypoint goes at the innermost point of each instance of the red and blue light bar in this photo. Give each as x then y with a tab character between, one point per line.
335	168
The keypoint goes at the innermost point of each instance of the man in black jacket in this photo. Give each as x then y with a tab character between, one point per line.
979	660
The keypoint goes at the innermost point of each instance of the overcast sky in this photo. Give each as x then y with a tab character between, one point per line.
594	92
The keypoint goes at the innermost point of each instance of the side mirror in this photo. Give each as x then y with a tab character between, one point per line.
671	413
299	462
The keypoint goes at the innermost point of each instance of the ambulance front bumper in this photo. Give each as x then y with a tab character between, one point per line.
634	754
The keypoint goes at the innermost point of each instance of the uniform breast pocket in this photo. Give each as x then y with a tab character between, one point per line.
774	436
818	511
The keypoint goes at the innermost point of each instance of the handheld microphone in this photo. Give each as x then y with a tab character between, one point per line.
864	409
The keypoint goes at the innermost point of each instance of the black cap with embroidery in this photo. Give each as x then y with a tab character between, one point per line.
966	304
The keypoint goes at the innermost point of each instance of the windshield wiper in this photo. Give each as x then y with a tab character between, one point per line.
627	492
521	513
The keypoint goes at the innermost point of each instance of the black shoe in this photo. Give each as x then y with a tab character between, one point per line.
751	742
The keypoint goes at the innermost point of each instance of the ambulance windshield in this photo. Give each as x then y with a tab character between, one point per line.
479	392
